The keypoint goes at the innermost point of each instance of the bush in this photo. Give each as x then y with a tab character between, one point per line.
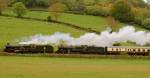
146	23
97	11
19	9
49	19
3	5
117	44
122	11
138	20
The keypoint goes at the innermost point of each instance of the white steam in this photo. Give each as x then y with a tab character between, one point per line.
125	34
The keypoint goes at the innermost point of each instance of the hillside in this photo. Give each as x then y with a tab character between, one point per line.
18	28
11	30
24	28
97	23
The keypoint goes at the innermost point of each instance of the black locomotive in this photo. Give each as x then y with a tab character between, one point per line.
78	50
81	50
28	49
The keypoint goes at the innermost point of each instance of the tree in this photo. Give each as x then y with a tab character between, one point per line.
3	5
80	5
112	23
19	9
56	10
96	1
122	11
54	1
136	3
69	3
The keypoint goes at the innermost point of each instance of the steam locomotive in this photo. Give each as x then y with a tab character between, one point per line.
28	49
115	50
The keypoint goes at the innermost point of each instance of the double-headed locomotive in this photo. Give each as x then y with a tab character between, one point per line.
115	50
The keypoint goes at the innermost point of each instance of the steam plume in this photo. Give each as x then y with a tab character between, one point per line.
125	34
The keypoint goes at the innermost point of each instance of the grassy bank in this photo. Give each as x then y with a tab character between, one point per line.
12	29
94	22
46	67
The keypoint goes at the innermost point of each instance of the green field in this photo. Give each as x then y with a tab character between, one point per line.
86	21
12	29
94	22
47	67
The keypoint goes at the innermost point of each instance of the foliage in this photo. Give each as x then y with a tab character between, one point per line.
122	11
135	3
141	14
146	23
3	5
49	19
19	9
56	10
97	10
79	6
33	3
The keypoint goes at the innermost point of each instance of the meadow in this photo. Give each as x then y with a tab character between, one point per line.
48	67
18	28
13	29
97	23
86	21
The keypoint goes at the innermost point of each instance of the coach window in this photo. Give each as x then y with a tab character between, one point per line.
134	50
112	49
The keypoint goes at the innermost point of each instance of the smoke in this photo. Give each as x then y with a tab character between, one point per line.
125	34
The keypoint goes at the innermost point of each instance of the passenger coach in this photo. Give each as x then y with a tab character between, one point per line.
129	50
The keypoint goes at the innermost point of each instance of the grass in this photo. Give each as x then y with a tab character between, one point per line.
87	21
12	29
97	23
46	67
94	22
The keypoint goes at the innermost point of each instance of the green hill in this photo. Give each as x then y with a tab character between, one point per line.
94	22
12	29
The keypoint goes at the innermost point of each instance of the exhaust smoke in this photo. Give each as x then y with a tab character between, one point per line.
125	34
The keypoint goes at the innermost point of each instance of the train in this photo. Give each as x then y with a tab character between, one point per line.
84	49
28	49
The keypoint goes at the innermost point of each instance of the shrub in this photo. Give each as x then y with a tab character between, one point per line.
56	10
138	20
146	23
49	19
3	5
19	9
122	11
97	11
